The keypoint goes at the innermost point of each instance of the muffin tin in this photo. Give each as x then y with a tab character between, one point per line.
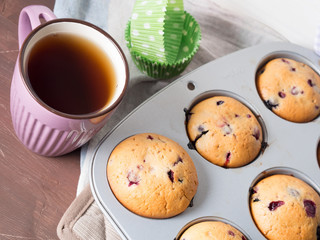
291	148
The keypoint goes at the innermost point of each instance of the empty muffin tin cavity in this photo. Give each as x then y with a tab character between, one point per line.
217	93
210	219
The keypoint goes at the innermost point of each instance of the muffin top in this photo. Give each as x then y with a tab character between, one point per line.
285	207
224	131
212	230
152	176
290	89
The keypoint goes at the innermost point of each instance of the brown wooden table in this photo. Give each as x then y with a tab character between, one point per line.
35	191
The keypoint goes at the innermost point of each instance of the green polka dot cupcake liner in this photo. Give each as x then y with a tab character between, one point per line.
158	68
157	26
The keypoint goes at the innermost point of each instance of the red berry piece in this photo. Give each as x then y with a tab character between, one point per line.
200	128
220	102
282	94
231	233
253	190
178	160
311	84
133	178
243	238
285	61
294	90
274	205
170	175
248	115
292	69
150	137
271	104
226	128
228	156
310	208
256	133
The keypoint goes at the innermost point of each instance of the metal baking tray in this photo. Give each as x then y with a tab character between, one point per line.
222	193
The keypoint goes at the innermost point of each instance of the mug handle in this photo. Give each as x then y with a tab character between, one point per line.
29	19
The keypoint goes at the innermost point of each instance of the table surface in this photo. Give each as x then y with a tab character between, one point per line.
296	20
35	191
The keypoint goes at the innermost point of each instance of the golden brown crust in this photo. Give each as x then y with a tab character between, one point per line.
290	89
212	230
224	131
152	175
285	207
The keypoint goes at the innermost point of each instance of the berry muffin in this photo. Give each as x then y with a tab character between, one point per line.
285	207
290	89
152	176
224	131
212	230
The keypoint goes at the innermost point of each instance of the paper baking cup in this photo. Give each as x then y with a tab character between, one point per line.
155	68
156	26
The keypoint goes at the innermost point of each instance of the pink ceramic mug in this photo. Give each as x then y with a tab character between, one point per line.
41	128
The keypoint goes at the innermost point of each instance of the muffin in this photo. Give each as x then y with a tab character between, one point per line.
285	207
290	89
212	230
152	176
224	131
